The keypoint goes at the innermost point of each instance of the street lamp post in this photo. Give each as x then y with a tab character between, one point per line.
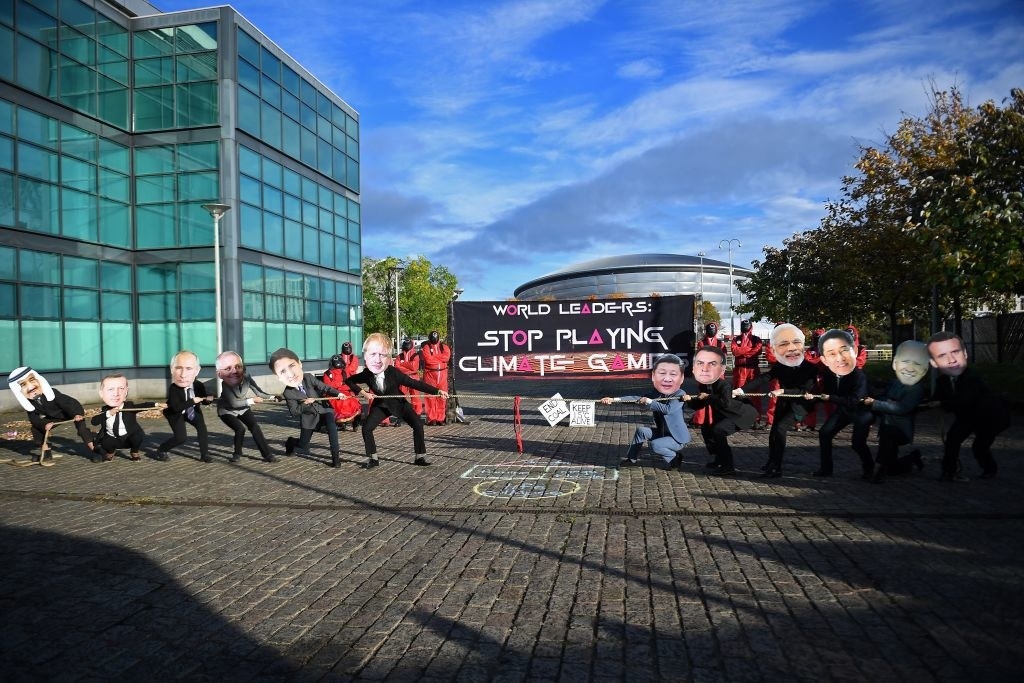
395	272
217	211
732	316
451	338
700	311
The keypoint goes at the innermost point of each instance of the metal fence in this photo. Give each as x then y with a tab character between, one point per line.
994	338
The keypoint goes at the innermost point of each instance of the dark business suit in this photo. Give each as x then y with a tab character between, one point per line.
846	393
976	410
110	438
399	406
312	414
728	415
61	408
176	413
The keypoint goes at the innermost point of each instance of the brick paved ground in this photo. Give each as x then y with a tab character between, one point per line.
474	569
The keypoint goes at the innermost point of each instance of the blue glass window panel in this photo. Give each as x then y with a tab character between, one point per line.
8	269
116	306
251	224
296	335
37	162
113	156
155	226
201	66
46	342
153	307
154	71
79	175
329	338
34	67
118	344
276	336
307	117
292	207
270	64
197	306
325	157
81	304
111	35
248	47
274	279
112	65
352	175
154	108
158	342
38	266
250	190
77	46
248	112
157	278
197	104
252	277
352	148
272	173
149	160
275	307
198	186
352	127
270	125
6	153
270	91
116	276
339	167
113	185
81	272
40	302
198	156
248	76
295	283
254	341
273	200
295	310
249	161
293	240
311	245
292	182
291	107
198	276
8	301
290	79
154	43
341	254
353	211
196	225
252	306
273	233
154	189
313	341
78	215
6	54
37	206
6	117
36	23
115	223
7	207
353	257
201	337
310	214
308	93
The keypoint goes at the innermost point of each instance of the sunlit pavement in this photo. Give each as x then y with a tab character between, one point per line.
495	565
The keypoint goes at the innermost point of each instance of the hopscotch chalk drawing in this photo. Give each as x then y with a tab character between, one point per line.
535	478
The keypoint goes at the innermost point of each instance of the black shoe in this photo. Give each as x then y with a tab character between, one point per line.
771	474
765	467
335	460
724	472
945	476
161	456
205	458
674	462
421	461
371	462
96	457
269	458
990	473
235	457
713	465
626	462
289	445
918	460
822	473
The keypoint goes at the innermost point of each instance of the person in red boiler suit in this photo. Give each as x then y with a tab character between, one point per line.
350	361
746	353
436	355
408	361
862	351
710	338
347	408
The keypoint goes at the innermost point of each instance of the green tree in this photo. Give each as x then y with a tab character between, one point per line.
424	291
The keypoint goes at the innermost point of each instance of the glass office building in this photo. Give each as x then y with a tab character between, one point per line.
117	124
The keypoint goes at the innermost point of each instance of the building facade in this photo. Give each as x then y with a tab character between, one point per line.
117	124
640	275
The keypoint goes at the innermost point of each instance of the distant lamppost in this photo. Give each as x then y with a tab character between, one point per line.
732	316
700	291
395	272
217	211
459	417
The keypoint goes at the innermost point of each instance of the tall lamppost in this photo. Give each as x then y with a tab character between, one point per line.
217	211
451	339
395	272
732	316
700	311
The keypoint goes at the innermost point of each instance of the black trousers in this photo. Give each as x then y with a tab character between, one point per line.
239	423
984	436
179	435
833	425
81	426
406	412
787	412
327	420
716	438
133	440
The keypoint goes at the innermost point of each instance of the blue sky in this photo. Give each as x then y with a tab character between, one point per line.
506	140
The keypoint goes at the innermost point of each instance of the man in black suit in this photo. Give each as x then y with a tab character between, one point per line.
386	382
119	424
185	397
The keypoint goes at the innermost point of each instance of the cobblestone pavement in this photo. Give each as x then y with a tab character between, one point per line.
489	565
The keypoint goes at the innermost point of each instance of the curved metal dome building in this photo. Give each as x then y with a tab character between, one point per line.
640	275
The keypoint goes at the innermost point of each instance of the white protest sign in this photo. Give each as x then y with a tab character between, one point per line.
554	409
582	414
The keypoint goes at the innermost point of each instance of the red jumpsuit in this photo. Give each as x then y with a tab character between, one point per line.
348	406
351	362
435	373
409	363
746	353
702	415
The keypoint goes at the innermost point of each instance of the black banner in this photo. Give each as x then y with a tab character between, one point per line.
493	339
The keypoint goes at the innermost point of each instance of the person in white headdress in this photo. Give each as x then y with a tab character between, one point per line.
46	407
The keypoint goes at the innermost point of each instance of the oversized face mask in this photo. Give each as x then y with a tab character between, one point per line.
434	337
710	330
745	326
346	348
910	362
